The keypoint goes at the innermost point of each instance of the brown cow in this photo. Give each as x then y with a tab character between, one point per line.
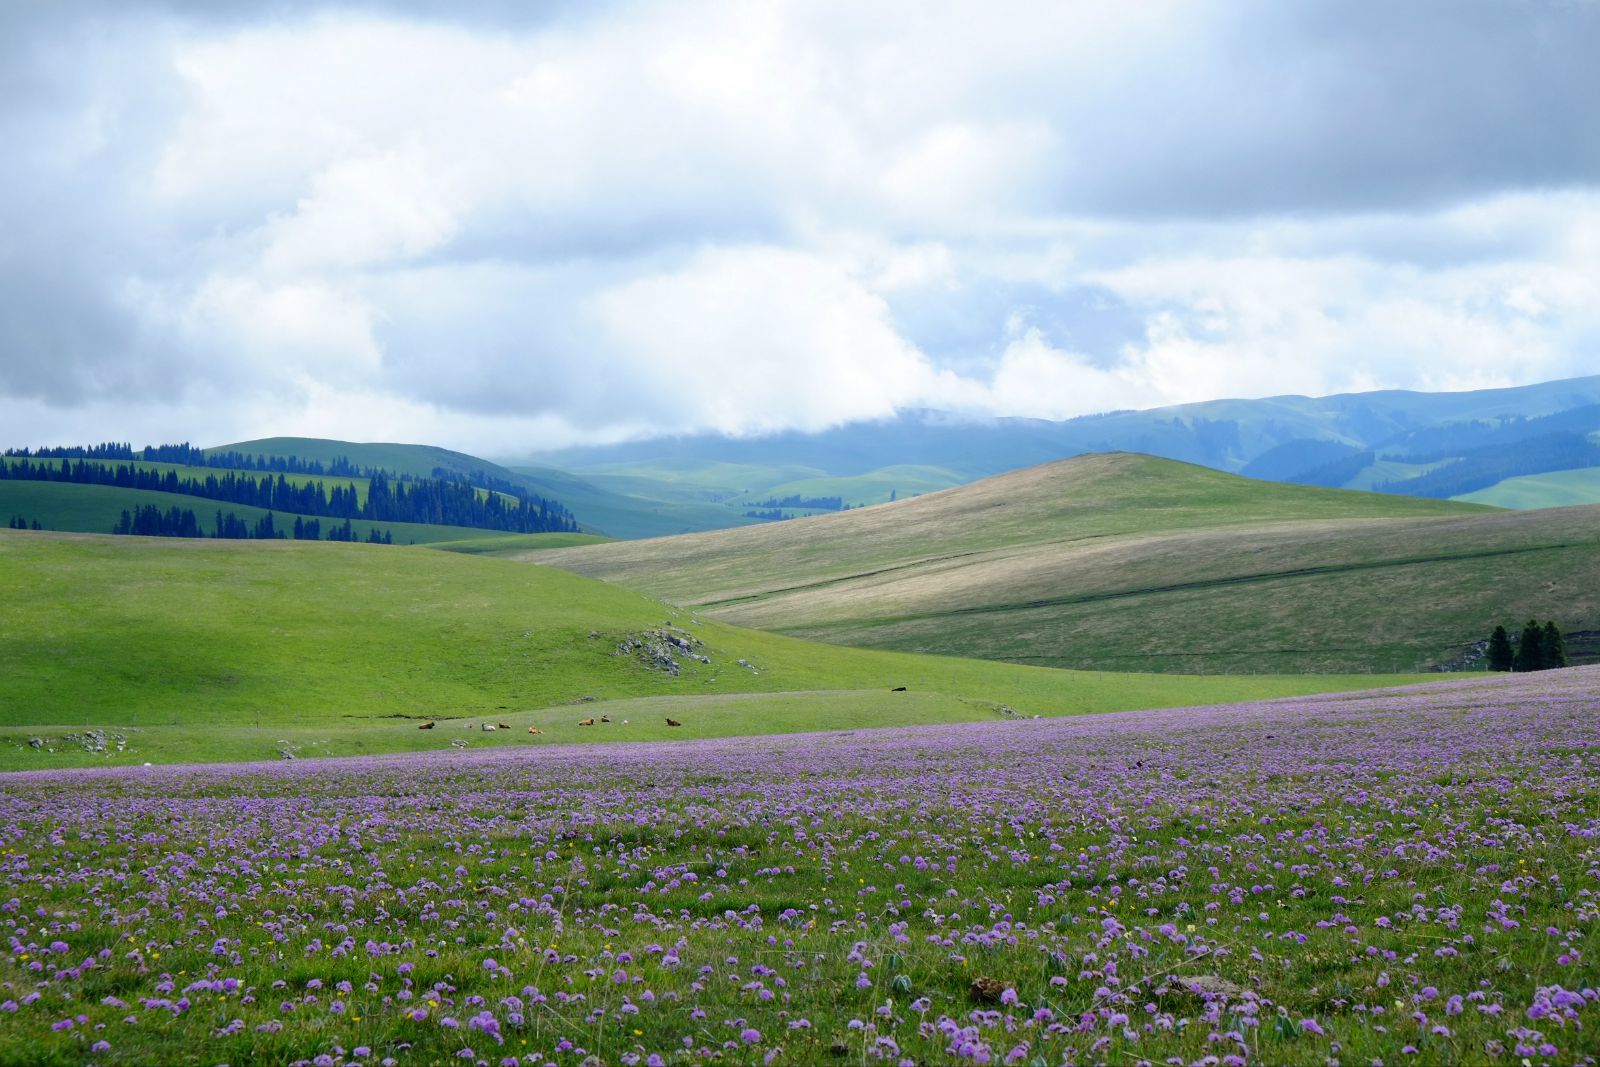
426	726
674	722
535	730
585	722
503	726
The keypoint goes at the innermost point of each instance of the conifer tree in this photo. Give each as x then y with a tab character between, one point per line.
1501	657
1530	652
1554	646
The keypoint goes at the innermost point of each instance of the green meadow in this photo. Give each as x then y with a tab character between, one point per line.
219	650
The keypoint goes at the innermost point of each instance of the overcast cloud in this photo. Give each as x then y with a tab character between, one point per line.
503	227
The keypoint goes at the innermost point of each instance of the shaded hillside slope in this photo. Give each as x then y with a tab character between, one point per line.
1128	562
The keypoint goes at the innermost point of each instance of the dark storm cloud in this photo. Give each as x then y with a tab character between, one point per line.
83	112
1346	106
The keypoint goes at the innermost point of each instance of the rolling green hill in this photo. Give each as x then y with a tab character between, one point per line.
1557	489
659	511
416	460
1121	561
636	507
360	485
75	508
189	649
874	487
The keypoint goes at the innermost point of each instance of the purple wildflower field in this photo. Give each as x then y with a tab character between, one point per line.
1404	877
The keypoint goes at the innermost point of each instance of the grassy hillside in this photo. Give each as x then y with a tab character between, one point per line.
360	485
498	544
1125	561
212	650
632	508
1080	499
659	511
1384	471
76	508
417	460
874	487
1557	489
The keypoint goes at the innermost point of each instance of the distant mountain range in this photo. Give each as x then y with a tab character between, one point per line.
1497	446
1526	447
1224	434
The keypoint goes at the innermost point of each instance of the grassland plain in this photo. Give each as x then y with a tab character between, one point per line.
237	649
1395	877
1115	560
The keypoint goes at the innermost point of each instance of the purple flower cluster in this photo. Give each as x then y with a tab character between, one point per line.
1409	876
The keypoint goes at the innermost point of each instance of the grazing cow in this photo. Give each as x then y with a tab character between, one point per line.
585	722
674	722
426	726
535	730
503	726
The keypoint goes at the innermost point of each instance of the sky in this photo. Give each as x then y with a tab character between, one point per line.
504	226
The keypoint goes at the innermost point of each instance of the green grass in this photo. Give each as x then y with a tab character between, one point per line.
659	511
515	544
715	496
700	477
874	487
1128	562
417	460
73	508
217	739
1391	470
183	470
1557	489
218	650
633	508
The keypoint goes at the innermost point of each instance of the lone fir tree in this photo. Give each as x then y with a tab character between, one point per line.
1553	646
1501	657
1530	651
